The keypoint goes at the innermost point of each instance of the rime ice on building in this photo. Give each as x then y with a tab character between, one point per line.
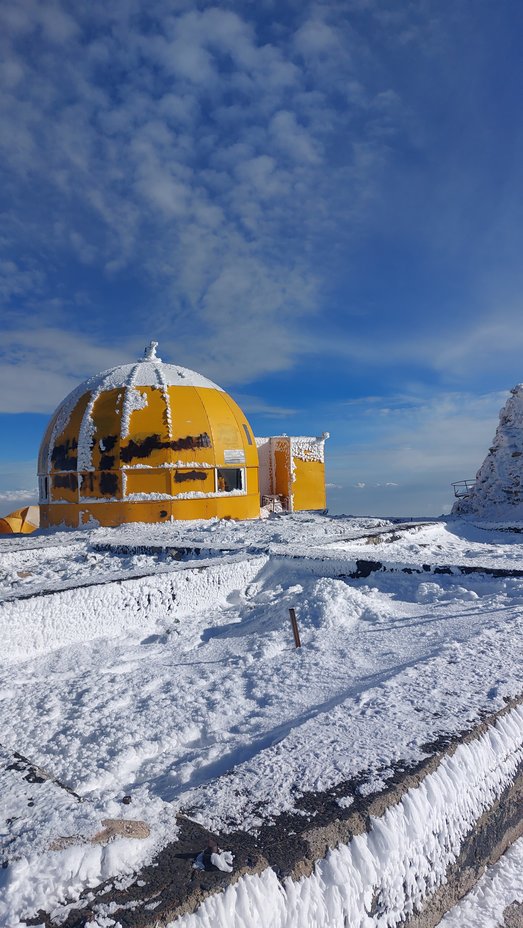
152	442
498	489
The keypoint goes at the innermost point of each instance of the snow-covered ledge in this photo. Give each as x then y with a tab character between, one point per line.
403	856
412	864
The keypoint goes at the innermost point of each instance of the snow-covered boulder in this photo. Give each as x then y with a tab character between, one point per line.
498	490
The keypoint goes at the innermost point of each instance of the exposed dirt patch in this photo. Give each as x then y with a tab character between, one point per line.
513	915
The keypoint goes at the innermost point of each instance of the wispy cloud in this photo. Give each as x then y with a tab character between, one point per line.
40	366
189	149
414	451
457	350
20	494
256	405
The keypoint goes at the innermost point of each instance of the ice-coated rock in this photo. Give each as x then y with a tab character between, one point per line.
498	490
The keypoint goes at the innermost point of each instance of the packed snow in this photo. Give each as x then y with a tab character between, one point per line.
382	876
159	675
308	449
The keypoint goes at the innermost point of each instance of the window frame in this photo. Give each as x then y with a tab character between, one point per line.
243	479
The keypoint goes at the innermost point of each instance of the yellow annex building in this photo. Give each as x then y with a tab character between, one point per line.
153	442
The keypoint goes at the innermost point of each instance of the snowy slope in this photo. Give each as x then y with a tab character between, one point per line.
158	702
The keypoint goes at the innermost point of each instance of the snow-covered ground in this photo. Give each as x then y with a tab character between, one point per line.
156	701
385	874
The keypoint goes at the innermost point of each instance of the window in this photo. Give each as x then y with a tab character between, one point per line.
229	479
43	487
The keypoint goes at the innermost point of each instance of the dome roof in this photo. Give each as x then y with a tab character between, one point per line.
145	432
130	379
149	371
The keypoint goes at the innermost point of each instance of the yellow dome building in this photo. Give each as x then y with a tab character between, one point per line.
147	442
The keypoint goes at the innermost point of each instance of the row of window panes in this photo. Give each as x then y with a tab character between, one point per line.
226	480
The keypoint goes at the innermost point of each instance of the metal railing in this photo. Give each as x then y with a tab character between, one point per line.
463	488
275	502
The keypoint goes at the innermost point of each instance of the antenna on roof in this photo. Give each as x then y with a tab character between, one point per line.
150	352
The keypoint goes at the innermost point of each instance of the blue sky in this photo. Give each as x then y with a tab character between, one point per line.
317	205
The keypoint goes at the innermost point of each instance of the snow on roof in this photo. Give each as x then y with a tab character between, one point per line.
305	447
149	371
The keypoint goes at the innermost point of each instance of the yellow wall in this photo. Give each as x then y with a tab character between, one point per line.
298	480
154	453
282	470
309	485
174	446
112	514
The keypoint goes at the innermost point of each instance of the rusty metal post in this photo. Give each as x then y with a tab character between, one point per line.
295	631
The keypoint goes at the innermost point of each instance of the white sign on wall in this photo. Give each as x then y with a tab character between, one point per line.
234	456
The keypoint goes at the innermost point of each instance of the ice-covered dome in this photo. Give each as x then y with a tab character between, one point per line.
147	441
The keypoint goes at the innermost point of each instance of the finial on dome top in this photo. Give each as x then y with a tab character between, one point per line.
150	352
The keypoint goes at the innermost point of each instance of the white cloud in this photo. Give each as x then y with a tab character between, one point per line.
12	495
199	169
492	342
293	138
191	154
254	405
417	449
459	351
42	365
315	37
17	484
18	279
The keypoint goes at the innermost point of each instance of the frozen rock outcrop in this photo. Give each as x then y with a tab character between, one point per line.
498	490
